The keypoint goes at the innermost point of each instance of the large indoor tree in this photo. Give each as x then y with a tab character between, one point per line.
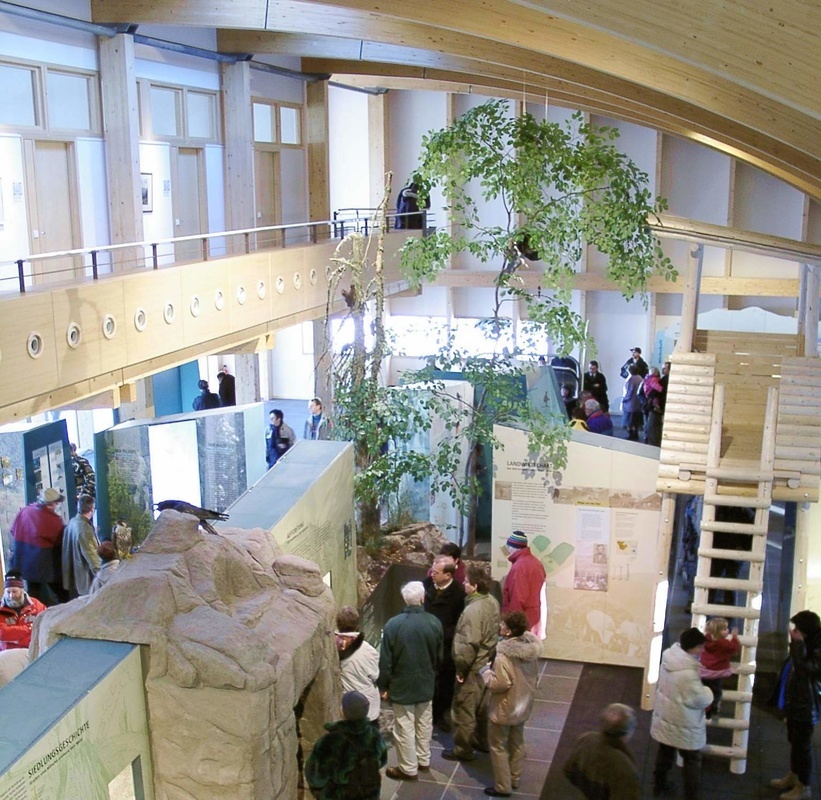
562	188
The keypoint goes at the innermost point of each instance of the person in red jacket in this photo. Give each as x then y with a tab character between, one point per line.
721	645
37	536
17	613
523	584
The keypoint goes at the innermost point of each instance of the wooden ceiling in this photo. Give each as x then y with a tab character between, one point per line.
739	75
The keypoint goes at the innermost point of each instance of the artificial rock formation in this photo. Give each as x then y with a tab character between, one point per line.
241	666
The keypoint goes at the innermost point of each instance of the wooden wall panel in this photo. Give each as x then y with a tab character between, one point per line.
22	316
205	284
87	306
251	276
150	291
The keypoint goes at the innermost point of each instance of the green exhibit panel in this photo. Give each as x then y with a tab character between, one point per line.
73	725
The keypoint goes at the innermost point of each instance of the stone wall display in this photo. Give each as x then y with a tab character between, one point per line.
241	672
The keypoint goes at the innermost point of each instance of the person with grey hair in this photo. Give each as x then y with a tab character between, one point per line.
601	764
408	663
597	420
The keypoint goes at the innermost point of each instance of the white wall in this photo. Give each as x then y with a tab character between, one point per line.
349	150
291	364
14	237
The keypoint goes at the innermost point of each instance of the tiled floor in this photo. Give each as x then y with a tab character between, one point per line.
452	781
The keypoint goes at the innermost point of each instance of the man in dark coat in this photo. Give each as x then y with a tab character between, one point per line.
801	703
408	663
227	387
595	383
601	765
445	599
635	358
205	399
37	533
345	762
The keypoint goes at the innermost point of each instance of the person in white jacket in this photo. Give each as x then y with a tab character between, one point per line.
679	722
358	661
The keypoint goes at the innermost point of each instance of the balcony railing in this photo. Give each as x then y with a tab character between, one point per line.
69	266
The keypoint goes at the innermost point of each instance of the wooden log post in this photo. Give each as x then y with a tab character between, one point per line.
689	303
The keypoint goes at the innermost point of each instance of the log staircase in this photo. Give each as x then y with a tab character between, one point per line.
742	428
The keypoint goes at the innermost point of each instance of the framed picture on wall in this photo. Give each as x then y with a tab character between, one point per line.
147	192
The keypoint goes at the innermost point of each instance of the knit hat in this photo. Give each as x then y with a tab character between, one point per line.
355	706
691	638
52	496
517	539
806	622
13	580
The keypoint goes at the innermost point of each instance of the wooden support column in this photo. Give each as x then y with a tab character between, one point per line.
316	141
802	551
323	363
239	145
141	405
118	85
378	146
809	286
667	521
689	302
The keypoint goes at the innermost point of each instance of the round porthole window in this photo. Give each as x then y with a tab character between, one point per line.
219	299
297	281
109	326
34	345
280	285
140	319
313	277
195	306
261	290
241	296
73	335
169	312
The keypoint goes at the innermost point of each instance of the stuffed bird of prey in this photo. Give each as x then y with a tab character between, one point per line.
202	514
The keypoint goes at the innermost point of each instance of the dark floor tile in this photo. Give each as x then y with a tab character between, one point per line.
569	669
549	714
559	689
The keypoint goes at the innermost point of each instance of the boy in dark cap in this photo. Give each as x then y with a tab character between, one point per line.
801	677
345	762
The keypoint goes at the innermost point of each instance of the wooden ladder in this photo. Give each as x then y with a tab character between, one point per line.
745	487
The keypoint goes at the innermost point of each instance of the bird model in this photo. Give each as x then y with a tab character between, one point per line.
202	514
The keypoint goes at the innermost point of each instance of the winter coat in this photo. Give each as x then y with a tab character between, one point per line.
597	386
512	679
227	389
640	363
603	768
360	669
715	658
523	585
323	428
15	623
447	606
105	574
477	632
36	532
84	479
653	392
599	422
80	560
205	400
278	441
410	656
681	697
345	762
631	399
803	692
